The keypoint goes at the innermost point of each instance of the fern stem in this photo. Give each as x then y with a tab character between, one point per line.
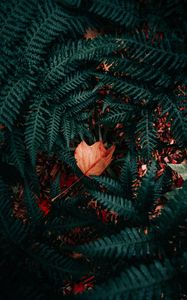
63	192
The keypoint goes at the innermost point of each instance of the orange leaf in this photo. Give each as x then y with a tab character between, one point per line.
94	159
91	33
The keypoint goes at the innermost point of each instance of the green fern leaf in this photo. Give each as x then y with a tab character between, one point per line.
115	203
110	184
173	213
141	282
12	98
128	175
15	18
11	227
120	12
35	128
147	135
53	126
145	197
177	114
131	242
16	150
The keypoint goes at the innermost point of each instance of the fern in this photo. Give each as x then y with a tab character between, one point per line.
12	98
129	88
68	128
13	230
147	134
141	282
15	17
54	126
130	242
35	128
87	97
67	59
69	69
72	82
55	263
157	76
17	150
128	175
115	203
145	195
173	213
121	12
118	112
141	50
177	114
49	24
114	116
66	156
110	184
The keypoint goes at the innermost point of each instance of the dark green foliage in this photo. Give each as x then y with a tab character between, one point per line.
15	17
12	98
174	212
147	134
14	229
35	127
131	242
115	203
53	126
58	86
128	175
176	109
16	150
142	282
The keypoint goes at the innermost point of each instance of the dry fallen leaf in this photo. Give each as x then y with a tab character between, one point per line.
91	33
94	159
181	169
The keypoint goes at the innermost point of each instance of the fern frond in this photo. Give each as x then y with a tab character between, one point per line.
178	116
48	25
141	282
115	116
145	197
15	18
140	71
66	155
12	97
68	129
129	88
119	112
141	50
72	3
35	127
54	263
147	134
53	126
16	150
110	184
115	203
120	12
131	242
80	102
173	213
72	82
11	227
128	175
68	58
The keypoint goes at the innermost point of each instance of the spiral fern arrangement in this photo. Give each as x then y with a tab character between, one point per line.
108	70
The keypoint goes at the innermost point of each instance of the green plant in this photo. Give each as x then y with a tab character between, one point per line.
58	87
